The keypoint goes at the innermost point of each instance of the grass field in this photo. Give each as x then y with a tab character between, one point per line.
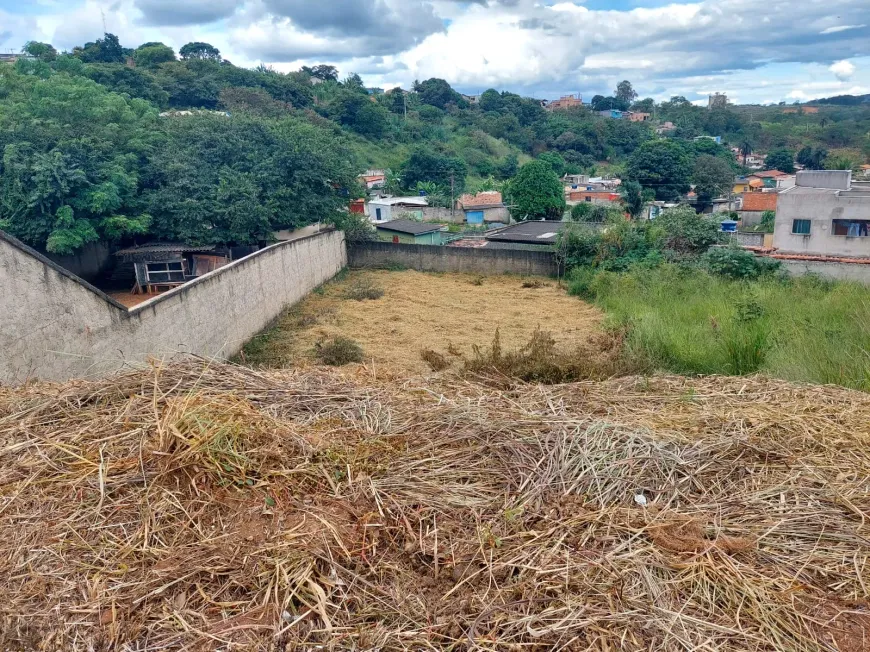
689	322
445	313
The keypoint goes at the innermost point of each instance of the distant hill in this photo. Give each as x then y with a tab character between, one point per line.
845	100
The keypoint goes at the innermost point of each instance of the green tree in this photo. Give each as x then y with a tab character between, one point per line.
426	165
780	159
633	199
663	166
322	72
508	167
536	193
105	50
646	105
686	231
201	51
625	92
555	161
812	158
153	54
42	51
745	150
712	177
437	92
358	112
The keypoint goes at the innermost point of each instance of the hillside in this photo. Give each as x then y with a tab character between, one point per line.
147	143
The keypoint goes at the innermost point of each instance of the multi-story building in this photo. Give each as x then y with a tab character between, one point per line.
565	102
824	214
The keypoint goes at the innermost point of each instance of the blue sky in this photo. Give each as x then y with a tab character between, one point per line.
779	50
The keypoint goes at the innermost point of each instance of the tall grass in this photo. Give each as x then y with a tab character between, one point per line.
687	321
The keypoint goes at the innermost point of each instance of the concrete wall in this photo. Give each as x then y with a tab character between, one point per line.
836	271
834	179
55	326
821	207
425	258
750	239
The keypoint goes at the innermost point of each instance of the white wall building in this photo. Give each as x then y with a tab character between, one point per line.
387	209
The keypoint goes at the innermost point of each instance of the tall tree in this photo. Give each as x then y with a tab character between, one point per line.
105	50
42	51
437	92
625	92
663	166
712	177
153	54
426	165
200	50
745	150
780	159
631	193
536	193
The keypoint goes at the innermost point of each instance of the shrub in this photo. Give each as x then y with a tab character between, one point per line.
363	289
686	232
534	284
356	227
739	264
435	360
339	351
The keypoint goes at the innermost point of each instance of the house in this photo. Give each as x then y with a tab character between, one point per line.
715	139
484	207
825	214
665	126
593	195
755	161
768	177
753	207
410	232
386	209
471	99
165	265
741	185
565	102
616	114
357	206
638	116
373	179
784	182
534	235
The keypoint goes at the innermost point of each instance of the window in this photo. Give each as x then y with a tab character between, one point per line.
851	228
588	198
800	227
164	272
378	214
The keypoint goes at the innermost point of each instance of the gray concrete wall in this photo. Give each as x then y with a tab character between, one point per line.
834	179
835	271
821	208
427	258
55	326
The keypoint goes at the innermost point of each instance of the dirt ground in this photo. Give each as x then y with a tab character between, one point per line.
448	313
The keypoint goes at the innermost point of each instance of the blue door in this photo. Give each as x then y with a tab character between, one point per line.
474	217
378	214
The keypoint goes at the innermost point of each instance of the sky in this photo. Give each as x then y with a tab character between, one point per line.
756	52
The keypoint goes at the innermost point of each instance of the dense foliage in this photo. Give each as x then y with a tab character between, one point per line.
536	193
85	155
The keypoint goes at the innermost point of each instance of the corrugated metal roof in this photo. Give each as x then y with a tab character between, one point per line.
539	233
409	226
164	247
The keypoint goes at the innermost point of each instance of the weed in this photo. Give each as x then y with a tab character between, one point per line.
393	266
338	351
477	280
435	360
453	350
363	289
534	284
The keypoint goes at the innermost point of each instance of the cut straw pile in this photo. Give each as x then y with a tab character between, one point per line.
212	507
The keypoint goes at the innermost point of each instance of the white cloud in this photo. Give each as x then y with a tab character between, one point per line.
840	28
843	70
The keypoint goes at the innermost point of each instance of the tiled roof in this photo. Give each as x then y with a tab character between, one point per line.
759	201
488	198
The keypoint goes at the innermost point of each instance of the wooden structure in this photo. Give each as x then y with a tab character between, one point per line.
161	266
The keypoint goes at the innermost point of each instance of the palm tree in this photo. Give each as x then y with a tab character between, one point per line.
745	150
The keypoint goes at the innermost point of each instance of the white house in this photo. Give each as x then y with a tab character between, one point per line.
386	209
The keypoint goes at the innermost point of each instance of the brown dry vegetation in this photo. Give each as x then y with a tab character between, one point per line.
215	507
443	313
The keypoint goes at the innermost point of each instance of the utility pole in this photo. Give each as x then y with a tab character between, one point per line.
452	197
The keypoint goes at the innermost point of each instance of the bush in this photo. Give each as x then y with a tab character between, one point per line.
339	351
739	264
686	232
363	289
435	360
356	227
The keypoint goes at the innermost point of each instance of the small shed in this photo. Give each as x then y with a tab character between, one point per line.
484	207
410	232
165	265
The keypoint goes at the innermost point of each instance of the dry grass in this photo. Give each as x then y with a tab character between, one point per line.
424	311
214	507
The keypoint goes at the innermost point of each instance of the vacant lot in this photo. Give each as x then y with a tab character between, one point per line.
447	313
